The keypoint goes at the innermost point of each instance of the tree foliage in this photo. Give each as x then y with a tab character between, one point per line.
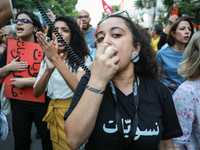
64	7
28	4
140	4
59	7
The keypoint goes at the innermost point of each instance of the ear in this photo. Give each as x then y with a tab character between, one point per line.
173	34
35	28
137	47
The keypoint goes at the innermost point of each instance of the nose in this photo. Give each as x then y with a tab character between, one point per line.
19	22
187	30
60	31
107	40
4	39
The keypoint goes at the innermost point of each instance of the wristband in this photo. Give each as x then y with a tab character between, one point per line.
94	90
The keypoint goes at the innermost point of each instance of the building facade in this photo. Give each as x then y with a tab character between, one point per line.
145	17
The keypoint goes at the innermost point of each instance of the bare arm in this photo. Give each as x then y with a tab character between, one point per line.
103	69
172	19
166	145
6	12
75	134
23	82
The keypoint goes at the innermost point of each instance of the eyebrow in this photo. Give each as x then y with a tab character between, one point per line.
63	27
99	33
113	28
83	15
185	26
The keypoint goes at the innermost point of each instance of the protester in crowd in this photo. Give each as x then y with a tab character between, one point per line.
83	21
109	108
169	58
163	37
155	34
25	112
9	33
187	96
60	74
6	12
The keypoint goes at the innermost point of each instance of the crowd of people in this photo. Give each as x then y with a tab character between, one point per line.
142	90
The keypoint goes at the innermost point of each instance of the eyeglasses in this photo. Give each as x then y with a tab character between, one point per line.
23	21
115	14
81	17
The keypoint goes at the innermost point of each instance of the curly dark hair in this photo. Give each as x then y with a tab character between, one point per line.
34	18
146	66
77	40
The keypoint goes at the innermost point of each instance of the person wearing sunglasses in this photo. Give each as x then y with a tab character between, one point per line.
24	113
121	105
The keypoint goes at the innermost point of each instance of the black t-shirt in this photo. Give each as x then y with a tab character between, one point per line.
156	113
34	107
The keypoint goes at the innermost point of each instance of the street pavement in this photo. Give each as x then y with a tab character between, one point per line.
8	144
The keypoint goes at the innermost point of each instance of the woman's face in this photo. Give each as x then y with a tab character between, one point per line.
64	30
115	32
183	32
25	31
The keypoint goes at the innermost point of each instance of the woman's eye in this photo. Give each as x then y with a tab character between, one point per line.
116	35
100	39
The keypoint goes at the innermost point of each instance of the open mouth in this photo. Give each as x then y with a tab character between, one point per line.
84	23
20	29
186	37
60	42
